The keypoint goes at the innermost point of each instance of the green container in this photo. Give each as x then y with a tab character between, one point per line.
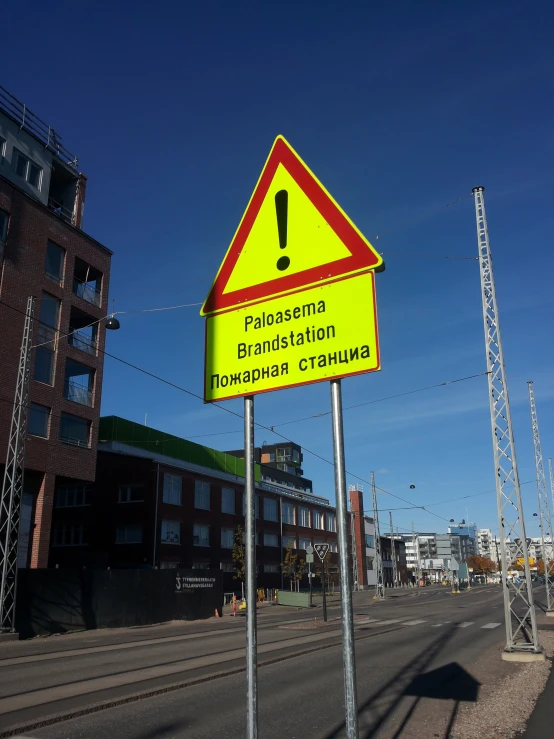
286	598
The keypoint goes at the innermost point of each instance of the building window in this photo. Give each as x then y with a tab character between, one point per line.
202	495
227	538
333	546
128	534
200	565
271	540
304	517
55	260
288	513
317	519
304	543
44	365
169	565
201	536
227	500
370	541
271	568
2	148
73	496
288	540
130	494
70	535
172	489
171	532
3	226
227	567
270	509
39	420
27	169
75	430
330	522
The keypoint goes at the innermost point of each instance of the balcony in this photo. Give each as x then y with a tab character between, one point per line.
79	383
83	331
80	340
86	291
87	282
78	393
75	431
60	210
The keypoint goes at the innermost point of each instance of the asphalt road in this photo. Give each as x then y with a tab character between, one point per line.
300	677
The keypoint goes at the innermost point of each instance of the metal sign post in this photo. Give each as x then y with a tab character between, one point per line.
309	560
350	695
250	567
322	550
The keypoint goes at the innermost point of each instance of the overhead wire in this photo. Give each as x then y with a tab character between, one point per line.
238	415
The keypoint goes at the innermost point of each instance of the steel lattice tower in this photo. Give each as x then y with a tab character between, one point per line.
12	487
393	554
519	607
551	485
544	504
415	544
380	584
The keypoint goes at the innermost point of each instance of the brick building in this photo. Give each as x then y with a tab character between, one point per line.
364	547
162	501
44	252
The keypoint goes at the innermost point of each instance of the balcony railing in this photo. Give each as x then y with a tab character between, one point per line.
83	443
81	341
78	393
85	291
60	210
25	118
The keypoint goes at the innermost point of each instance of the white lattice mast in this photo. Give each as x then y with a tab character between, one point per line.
393	554
12	486
519	607
415	545
380	584
355	572
545	517
551	493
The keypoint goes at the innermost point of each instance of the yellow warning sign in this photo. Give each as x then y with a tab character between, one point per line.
321	333
292	235
308	240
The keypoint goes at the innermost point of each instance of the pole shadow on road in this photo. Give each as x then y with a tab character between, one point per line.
450	682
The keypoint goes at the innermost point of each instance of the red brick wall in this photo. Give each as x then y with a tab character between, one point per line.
31	225
357	508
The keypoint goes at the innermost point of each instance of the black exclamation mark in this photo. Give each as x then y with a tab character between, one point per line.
282	210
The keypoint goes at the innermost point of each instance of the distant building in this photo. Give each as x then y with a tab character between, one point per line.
44	252
468	530
363	547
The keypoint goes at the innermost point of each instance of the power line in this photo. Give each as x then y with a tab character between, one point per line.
238	415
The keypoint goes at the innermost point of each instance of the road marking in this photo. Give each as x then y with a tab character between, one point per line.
465	624
413	623
490	626
391	621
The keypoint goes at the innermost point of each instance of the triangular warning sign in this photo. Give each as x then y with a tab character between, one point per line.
292	235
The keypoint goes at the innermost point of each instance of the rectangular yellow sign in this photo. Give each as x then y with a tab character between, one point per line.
322	333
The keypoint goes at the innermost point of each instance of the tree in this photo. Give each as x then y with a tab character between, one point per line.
481	565
290	564
239	555
301	570
550	565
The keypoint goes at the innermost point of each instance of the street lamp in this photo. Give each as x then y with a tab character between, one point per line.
112	323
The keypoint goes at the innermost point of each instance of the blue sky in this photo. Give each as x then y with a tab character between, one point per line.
399	109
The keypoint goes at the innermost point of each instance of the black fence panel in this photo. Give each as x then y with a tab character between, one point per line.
57	601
